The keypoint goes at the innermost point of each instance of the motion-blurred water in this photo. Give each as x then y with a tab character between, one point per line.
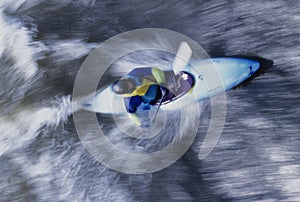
42	45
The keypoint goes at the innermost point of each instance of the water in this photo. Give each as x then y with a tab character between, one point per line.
42	45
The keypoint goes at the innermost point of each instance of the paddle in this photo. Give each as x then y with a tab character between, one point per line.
182	58
157	109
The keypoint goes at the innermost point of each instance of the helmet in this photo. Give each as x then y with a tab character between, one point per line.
123	86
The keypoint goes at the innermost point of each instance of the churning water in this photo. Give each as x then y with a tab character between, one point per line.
42	45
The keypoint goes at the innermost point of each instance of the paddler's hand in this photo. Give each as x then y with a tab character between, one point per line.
134	119
159	75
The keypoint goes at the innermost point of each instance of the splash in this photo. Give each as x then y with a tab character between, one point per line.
20	129
18	48
66	50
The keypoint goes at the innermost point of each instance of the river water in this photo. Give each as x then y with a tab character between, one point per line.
42	45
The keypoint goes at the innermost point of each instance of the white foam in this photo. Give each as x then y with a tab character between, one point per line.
70	49
17	5
21	128
23	5
18	47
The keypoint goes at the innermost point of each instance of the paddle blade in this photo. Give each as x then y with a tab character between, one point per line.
182	57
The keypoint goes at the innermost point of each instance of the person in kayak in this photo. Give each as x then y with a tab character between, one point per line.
149	86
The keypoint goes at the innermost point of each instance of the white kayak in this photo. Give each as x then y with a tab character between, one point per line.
212	77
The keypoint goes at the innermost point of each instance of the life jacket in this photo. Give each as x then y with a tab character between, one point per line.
143	78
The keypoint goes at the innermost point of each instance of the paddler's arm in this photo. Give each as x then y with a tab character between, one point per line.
131	105
134	119
159	75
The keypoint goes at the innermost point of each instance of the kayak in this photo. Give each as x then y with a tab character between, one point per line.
211	77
